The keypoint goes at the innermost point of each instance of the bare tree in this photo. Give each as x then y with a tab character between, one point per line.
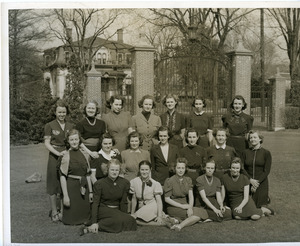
288	22
87	24
208	23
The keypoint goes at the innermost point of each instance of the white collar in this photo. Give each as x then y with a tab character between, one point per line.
201	113
135	151
106	156
221	147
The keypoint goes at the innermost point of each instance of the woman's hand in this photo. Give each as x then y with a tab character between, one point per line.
61	153
117	152
94	154
254	183
189	212
223	209
91	195
159	220
238	209
93	228
66	201
218	213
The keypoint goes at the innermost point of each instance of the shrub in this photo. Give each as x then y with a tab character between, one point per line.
292	118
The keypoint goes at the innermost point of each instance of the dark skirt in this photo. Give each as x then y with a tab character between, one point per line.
261	195
248	210
53	184
79	210
212	215
181	214
114	220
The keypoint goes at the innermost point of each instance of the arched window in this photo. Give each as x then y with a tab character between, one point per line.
104	58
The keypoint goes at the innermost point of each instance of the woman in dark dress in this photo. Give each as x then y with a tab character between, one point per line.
109	209
55	133
201	121
91	129
180	199
99	165
238	123
75	182
221	153
210	188
257	161
173	120
237	191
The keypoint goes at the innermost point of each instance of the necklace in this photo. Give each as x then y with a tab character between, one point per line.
92	124
209	182
235	179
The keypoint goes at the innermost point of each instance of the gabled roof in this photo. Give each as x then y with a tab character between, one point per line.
99	42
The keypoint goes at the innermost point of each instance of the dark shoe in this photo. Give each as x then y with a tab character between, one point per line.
83	230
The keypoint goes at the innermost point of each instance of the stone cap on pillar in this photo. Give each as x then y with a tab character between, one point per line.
93	72
240	50
143	48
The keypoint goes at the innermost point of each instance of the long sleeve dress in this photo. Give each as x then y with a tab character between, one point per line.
57	140
145	193
91	133
75	167
147	128
117	126
109	207
238	125
201	123
211	190
257	164
178	189
175	122
131	160
235	195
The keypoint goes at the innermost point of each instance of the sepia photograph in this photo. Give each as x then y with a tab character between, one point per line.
150	123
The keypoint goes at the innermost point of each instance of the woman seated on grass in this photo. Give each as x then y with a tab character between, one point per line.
237	191
109	209
179	196
146	199
75	182
209	188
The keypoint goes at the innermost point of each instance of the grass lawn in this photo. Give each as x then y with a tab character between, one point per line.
29	205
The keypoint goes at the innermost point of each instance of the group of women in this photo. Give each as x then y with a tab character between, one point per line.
170	170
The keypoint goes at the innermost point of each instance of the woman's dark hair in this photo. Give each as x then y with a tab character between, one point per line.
181	160
199	98
216	130
236	160
107	135
112	99
168	96
161	129
187	134
261	137
145	162
133	135
141	102
71	133
60	103
239	97
97	107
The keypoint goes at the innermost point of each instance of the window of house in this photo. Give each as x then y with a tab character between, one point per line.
47	60
67	56
128	59
99	57
120	58
104	58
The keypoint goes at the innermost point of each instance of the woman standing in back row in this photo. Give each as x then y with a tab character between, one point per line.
119	123
238	123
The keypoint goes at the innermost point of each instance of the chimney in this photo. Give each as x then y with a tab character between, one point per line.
120	35
69	34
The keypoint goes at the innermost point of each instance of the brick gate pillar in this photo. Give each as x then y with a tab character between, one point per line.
142	73
278	102
241	73
93	85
